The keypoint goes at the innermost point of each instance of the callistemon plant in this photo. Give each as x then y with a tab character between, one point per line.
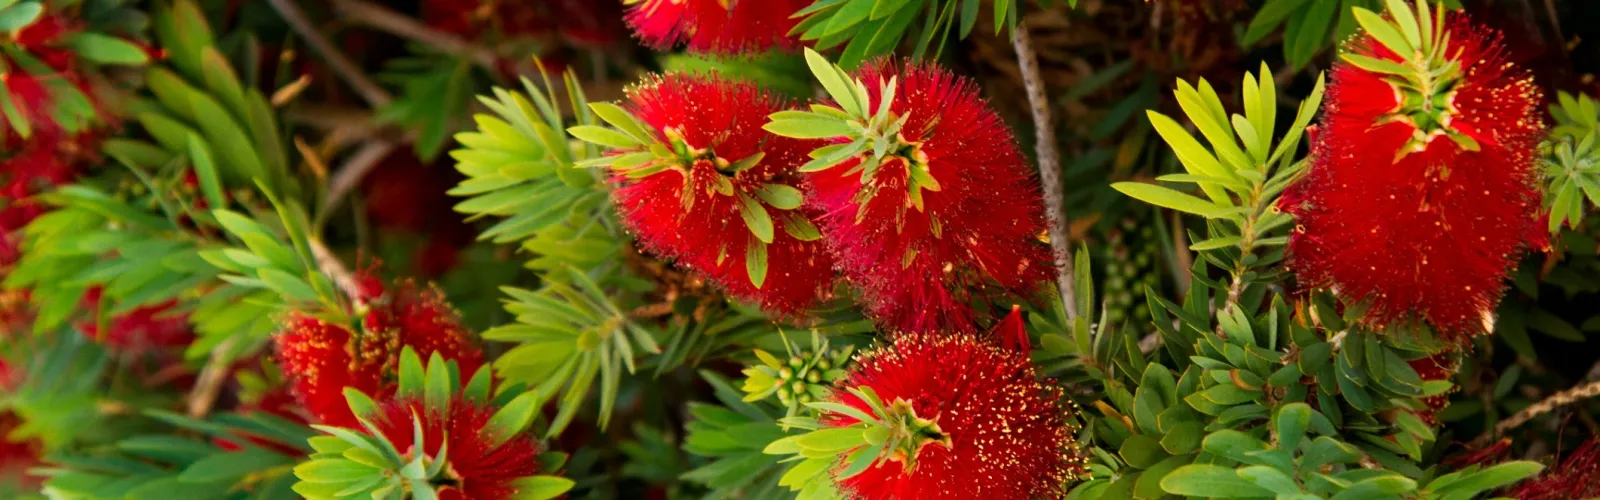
715	26
322	358
910	193
1421	192
938	415
438	437
700	182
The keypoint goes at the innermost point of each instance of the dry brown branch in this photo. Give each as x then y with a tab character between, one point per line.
348	71
1049	168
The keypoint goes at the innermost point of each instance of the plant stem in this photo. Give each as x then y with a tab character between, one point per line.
403	26
1557	400
1049	168
352	74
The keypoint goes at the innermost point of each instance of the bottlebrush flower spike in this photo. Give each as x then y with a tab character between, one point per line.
323	358
435	436
1577	477
1421	190
701	183
715	26
926	200
942	415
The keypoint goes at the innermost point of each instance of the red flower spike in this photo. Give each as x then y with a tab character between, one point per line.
716	26
979	225
1436	367
479	468
1577	477
1013	332
1422	211
689	213
321	358
1005	433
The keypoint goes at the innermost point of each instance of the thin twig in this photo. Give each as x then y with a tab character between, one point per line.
1560	399
209	384
403	26
352	74
355	168
331	266
1049	167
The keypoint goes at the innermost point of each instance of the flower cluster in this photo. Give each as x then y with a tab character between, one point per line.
1420	194
989	427
323	358
716	26
952	212
717	194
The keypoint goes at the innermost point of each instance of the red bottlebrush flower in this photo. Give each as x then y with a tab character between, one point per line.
145	329
17	457
321	358
1421	205
919	269
1436	367
716	26
693	211
479	468
1577	477
1004	433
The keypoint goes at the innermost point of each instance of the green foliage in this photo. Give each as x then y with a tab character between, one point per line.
1571	163
520	167
567	334
869	28
1241	176
162	461
733	436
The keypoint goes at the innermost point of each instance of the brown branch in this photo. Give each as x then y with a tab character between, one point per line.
1558	400
209	384
403	26
330	265
355	168
348	71
1049	168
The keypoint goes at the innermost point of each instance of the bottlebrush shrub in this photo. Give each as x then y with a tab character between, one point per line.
323	358
436	438
908	191
804	377
715	26
700	182
937	415
1421	191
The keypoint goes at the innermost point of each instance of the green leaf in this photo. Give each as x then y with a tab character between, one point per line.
623	120
1491	478
1291	423
1383	31
604	137
20	15
232	465
104	49
206	172
1142	451
780	196
756	218
542	487
1207	480
832	440
511	419
755	262
1168	198
811	128
835	82
436	394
